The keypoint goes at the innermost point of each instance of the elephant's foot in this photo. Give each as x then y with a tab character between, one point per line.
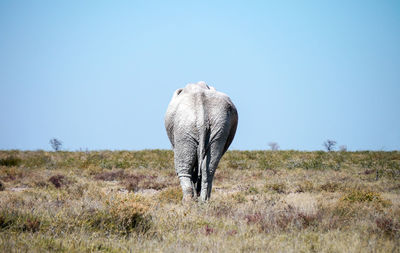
204	195
205	192
187	189
188	199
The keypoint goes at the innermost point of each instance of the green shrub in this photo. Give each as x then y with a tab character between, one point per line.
37	159
364	196
252	190
20	221
313	164
10	161
266	164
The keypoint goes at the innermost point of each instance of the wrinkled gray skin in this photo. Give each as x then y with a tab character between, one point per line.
201	123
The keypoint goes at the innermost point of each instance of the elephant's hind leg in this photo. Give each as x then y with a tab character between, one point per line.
210	164
185	157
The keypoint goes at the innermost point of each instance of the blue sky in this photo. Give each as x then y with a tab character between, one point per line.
100	74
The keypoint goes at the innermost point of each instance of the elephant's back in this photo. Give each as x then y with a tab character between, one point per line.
193	106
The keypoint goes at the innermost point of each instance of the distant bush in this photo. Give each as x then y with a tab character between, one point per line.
274	146
38	159
10	161
329	145
55	144
313	163
266	164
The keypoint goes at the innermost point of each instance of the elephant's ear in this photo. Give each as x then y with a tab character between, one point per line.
177	92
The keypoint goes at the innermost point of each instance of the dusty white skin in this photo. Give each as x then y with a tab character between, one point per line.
201	123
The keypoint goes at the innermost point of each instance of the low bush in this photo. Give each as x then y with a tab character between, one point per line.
364	196
130	213
110	175
58	180
329	187
171	195
132	182
123	215
136	182
20	221
289	218
305	186
388	226
10	161
276	187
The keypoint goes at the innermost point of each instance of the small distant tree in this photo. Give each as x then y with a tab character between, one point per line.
274	146
329	145
55	144
343	148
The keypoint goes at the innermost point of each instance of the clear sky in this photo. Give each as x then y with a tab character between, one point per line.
100	74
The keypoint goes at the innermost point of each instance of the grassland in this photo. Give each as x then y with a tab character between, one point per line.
262	201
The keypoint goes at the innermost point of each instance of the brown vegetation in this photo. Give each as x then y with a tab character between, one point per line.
265	201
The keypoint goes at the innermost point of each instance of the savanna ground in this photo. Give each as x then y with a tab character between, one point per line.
263	201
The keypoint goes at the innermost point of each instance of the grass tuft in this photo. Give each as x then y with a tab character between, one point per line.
276	187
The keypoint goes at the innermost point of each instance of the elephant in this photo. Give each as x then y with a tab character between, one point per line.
201	123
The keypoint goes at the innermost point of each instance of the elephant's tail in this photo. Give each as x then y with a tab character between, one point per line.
203	150
203	126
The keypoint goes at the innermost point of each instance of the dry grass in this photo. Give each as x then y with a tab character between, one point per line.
280	201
